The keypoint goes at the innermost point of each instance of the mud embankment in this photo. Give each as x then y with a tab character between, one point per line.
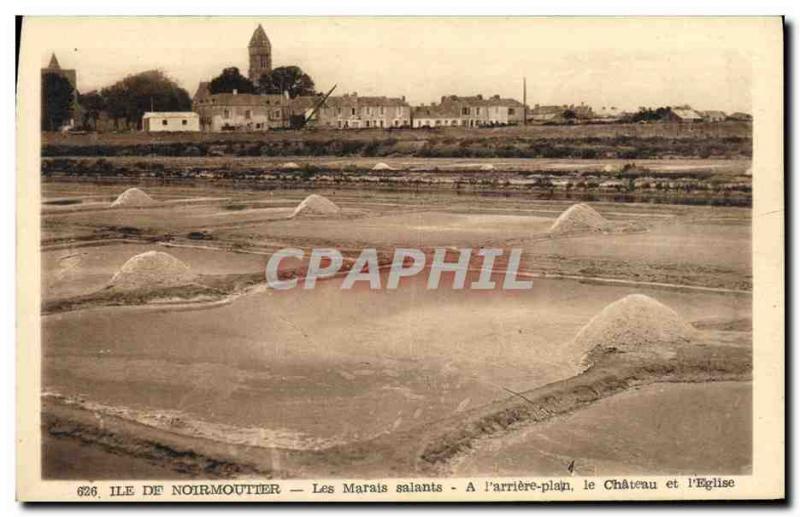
195	457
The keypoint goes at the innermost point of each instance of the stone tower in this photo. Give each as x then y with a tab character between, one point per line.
260	55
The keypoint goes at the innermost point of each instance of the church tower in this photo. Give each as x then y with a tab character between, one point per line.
260	55
54	63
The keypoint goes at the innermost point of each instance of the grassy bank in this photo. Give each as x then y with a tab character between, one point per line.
629	181
620	141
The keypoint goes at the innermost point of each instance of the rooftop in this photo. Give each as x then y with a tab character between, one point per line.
686	113
169	114
437	111
204	96
480	100
353	100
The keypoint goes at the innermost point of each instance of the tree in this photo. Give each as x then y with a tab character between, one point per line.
650	115
287	79
93	104
57	94
131	97
230	79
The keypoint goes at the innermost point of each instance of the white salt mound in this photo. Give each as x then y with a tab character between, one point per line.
609	168
133	197
380	166
749	171
290	166
316	205
580	218
487	167
634	324
152	270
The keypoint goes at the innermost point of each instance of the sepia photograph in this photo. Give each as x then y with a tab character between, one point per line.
400	258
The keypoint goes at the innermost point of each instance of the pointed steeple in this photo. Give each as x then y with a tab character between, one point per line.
54	63
260	53
259	38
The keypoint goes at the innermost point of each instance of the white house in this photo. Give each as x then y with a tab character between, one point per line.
172	121
436	116
684	114
713	116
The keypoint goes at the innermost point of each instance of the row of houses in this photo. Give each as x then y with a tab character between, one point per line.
474	111
248	112
582	112
687	114
560	113
351	111
253	112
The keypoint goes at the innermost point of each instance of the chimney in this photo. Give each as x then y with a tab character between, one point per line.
235	91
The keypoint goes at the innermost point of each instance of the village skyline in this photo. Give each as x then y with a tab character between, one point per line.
600	76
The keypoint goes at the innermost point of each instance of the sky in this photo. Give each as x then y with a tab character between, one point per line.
620	62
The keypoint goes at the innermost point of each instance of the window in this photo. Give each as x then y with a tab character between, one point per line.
367	123
226	113
184	122
352	111
248	114
465	111
164	122
381	110
510	111
263	61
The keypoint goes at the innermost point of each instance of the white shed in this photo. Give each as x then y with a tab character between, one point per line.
173	121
